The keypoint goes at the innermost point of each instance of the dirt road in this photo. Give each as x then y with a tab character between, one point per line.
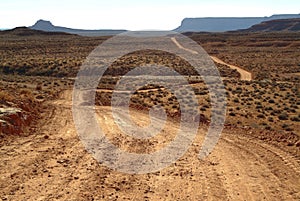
245	75
52	164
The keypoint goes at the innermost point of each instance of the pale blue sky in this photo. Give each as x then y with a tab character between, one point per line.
133	14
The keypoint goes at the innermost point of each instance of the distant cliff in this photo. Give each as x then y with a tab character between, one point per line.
276	25
25	31
219	24
43	25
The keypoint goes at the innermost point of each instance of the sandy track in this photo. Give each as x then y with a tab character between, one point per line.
245	75
181	47
52	164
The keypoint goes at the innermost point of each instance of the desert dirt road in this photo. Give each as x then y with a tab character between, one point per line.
245	75
52	164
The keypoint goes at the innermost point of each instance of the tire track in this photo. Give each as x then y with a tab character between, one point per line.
57	167
234	169
251	161
285	178
288	159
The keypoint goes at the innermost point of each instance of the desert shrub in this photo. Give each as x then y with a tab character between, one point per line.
259	107
269	108
174	106
232	114
249	98
283	116
206	106
203	109
202	92
5	96
297	119
171	99
38	87
56	84
257	103
267	127
271	101
286	127
236	100
26	92
261	116
264	124
294	106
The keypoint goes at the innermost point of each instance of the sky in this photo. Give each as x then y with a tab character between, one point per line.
134	14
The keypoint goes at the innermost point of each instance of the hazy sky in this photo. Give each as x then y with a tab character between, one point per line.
134	14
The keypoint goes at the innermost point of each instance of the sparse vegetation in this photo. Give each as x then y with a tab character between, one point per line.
268	98
258	151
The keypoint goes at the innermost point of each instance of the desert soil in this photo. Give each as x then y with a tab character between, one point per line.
52	164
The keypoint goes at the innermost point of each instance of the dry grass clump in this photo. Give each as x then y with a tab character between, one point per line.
5	96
